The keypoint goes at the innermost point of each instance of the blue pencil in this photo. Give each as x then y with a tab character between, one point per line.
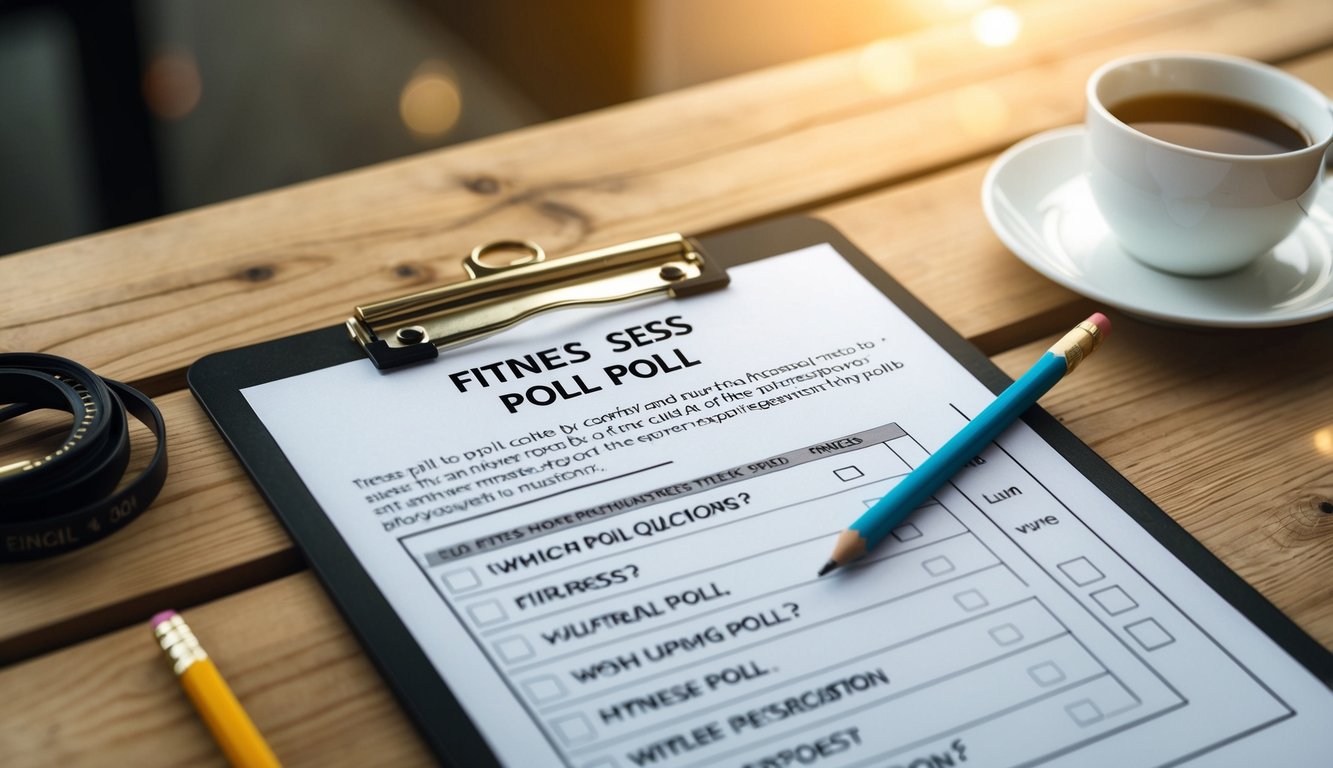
889	512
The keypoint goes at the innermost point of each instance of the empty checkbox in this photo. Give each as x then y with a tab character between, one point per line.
1081	571
1006	634
1150	634
848	473
1084	712
487	612
514	649
461	580
544	689
971	600
1046	674
1114	600
574	729
938	566
906	532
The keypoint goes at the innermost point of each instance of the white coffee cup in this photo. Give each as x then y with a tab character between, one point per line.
1191	211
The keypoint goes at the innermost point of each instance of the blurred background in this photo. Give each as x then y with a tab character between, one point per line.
115	111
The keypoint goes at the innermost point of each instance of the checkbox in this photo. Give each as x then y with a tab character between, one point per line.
461	580
1114	600
1046	674
514	649
1006	634
545	689
1081	571
938	566
487	612
848	473
574	729
971	600
906	532
1150	634
1084	712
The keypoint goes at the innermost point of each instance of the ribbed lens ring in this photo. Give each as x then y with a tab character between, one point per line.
67	498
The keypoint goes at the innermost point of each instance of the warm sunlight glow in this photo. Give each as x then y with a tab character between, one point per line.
430	103
981	111
960	7
171	85
935	11
887	66
996	26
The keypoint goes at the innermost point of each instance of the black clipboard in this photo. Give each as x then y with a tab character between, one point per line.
217	381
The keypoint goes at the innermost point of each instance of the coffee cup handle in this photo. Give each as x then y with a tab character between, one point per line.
1328	153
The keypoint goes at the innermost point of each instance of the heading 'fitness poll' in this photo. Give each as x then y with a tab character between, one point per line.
573	353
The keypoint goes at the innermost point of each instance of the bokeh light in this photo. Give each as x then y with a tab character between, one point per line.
996	26
172	87
1323	441
431	103
887	66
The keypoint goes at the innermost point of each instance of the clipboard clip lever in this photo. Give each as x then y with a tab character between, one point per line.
415	327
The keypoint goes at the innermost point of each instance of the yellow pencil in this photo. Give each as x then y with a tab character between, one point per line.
232	728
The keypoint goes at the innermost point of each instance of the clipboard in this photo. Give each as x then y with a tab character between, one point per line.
411	331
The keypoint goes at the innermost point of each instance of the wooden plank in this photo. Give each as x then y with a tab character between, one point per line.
210	532
141	303
284	651
1231	434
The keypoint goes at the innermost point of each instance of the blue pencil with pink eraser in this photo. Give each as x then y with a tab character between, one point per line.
890	512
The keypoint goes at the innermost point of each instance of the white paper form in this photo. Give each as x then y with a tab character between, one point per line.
603	529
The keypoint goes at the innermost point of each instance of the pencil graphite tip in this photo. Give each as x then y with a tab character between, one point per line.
830	565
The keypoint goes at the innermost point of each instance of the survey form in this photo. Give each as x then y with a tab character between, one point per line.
603	527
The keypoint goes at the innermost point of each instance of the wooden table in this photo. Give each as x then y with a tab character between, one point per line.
1230	432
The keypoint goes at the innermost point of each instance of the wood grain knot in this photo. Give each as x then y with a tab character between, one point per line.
482	185
257	274
412	272
1326	507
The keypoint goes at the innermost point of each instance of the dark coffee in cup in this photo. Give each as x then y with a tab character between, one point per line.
1210	123
1201	163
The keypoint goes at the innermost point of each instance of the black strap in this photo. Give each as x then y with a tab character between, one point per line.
68	498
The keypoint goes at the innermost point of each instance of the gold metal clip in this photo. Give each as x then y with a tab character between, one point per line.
410	328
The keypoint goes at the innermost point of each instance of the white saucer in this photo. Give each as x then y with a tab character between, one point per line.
1039	203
